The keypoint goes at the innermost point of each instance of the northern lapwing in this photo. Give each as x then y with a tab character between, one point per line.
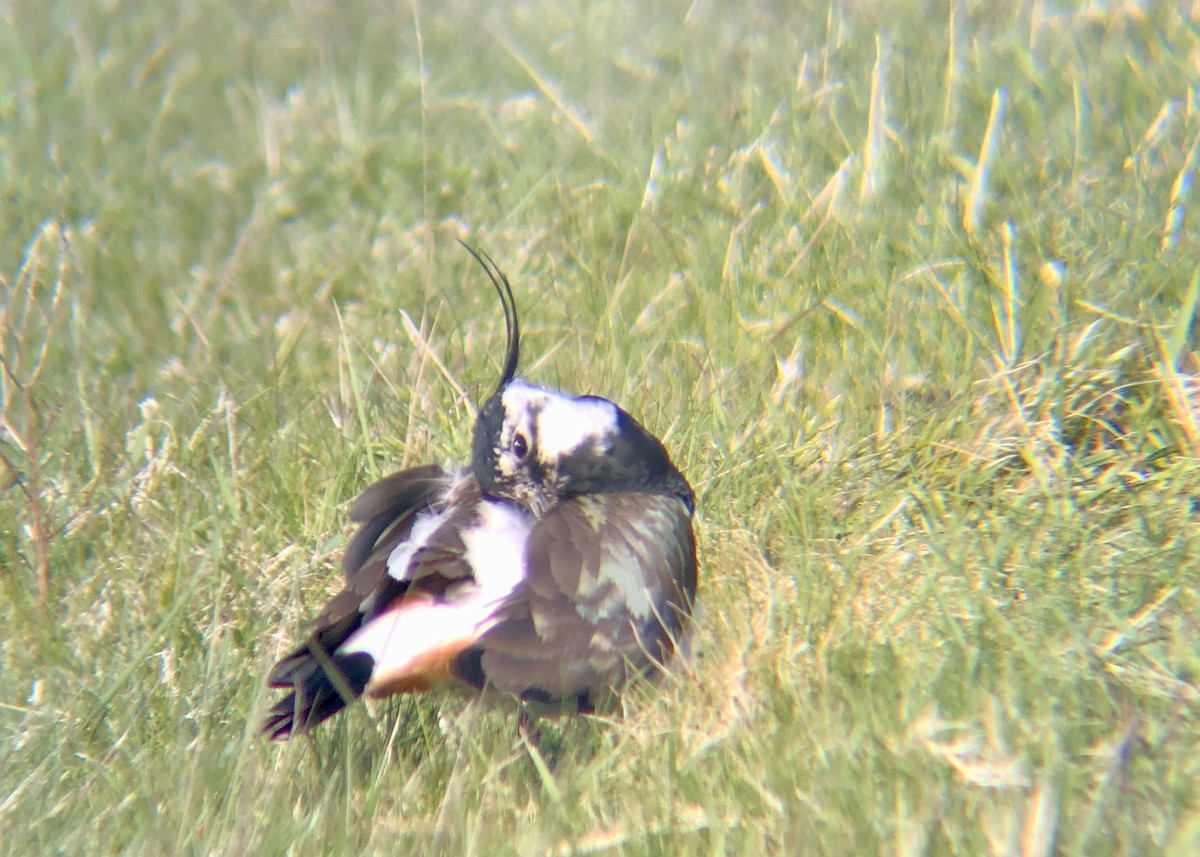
554	568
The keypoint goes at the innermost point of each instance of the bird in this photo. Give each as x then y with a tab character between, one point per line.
555	567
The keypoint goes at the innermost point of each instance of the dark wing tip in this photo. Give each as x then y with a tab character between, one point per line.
512	352
278	723
318	696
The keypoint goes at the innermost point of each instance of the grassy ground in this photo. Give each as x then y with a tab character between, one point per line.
908	288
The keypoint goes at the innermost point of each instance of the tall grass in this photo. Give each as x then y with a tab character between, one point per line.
909	289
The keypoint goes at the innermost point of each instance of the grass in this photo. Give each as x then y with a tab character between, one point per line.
909	289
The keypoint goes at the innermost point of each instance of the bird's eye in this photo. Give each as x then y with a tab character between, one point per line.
520	447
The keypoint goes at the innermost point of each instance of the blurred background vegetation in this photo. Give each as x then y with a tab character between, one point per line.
908	289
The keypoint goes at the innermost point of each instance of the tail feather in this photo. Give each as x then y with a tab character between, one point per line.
318	695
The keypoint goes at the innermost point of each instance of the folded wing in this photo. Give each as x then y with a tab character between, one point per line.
407	549
609	585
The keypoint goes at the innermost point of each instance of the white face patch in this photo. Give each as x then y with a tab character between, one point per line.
568	424
561	423
520	402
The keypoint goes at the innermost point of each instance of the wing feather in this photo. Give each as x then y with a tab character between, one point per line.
388	510
609	586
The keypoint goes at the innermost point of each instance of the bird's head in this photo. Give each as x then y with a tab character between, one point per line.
538	447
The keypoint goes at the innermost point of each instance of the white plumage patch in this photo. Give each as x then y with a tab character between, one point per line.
425	525
418	637
422	633
496	547
567	424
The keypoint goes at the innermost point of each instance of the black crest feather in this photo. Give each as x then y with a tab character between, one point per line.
512	352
